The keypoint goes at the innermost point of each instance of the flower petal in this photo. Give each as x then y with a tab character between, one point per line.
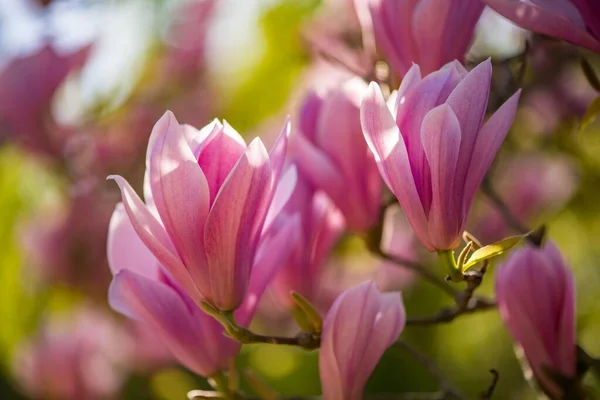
488	142
153	234
283	192
218	154
195	338
125	249
557	18
181	195
384	140
270	257
234	224
441	137
468	101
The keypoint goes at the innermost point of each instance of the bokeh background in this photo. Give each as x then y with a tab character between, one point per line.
82	83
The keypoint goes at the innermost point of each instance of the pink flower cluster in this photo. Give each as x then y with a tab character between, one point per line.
219	221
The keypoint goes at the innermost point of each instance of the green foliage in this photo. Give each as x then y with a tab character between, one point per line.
269	84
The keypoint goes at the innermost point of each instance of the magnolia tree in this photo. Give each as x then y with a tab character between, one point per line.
408	123
220	218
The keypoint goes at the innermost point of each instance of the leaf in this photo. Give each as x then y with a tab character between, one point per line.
492	250
310	312
591	114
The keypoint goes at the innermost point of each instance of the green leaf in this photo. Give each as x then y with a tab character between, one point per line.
310	313
491	250
591	114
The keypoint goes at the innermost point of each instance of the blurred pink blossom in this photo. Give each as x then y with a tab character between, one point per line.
27	87
430	33
331	153
576	21
77	358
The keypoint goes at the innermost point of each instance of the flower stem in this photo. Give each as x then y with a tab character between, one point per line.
447	258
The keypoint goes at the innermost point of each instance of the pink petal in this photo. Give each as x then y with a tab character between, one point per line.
441	137
218	154
278	153
181	195
428	28
234	224
488	142
384	140
410	80
283	192
318	169
195	338
556	18
125	250
412	108
152	233
270	257
469	101
391	25
309	114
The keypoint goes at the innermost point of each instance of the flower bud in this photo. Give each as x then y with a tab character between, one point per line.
361	324
331	153
536	297
427	32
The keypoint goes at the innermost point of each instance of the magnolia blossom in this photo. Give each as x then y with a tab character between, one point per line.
536	297
322	224
143	290
73	357
27	88
361	324
432	147
207	195
331	152
576	21
427	32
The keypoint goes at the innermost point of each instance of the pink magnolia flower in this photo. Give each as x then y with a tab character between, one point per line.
207	194
536	297
430	33
432	147
186	49
576	21
27	87
361	324
322	224
142	290
73	358
331	152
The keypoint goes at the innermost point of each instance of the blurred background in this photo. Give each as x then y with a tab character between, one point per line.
82	82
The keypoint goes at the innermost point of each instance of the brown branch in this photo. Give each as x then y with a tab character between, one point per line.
419	269
306	340
509	217
490	390
449	314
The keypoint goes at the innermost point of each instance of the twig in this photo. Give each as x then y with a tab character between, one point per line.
490	390
449	314
446	388
420	269
509	217
306	340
